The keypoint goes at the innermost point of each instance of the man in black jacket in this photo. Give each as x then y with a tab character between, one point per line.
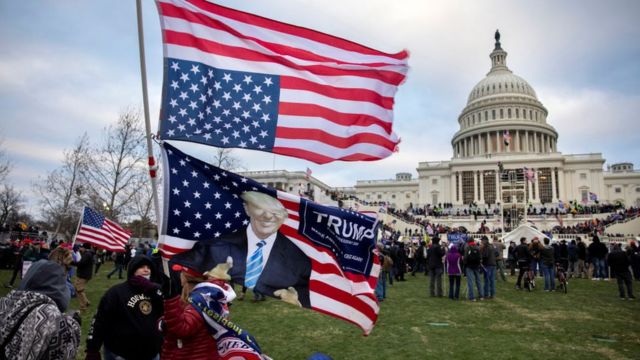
523	258
126	321
434	260
84	271
619	263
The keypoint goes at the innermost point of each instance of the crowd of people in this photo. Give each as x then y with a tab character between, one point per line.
484	261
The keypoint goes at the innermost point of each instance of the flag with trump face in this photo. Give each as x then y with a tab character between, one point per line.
203	204
237	80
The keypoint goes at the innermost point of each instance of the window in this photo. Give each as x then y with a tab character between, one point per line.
517	113
408	195
434	198
379	196
618	190
493	114
583	176
509	113
486	115
393	196
638	189
435	182
501	114
467	186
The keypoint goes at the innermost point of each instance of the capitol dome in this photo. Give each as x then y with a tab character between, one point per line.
503	115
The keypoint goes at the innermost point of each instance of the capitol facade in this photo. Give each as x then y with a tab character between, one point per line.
505	122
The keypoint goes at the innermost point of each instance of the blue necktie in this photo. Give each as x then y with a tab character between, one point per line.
254	267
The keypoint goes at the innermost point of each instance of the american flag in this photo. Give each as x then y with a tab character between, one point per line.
102	232
202	203
234	79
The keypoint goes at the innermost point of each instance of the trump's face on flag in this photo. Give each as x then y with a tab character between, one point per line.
266	213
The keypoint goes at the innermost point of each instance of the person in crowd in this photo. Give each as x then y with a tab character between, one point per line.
547	262
84	272
62	256
511	258
598	253
381	285
534	251
633	251
523	259
399	257
436	267
99	259
499	250
472	259
33	324
583	267
17	249
118	264
420	259
572	257
454	270
125	325
489	267
619	263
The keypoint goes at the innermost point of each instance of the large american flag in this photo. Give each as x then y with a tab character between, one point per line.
202	203
102	232
234	79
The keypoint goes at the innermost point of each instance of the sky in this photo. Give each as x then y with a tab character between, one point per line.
67	67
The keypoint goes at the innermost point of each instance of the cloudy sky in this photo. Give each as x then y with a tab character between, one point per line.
67	67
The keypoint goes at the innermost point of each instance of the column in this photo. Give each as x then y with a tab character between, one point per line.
526	140
544	143
475	186
452	188
537	185
481	186
529	191
561	185
459	187
535	141
498	194
498	141
554	198
517	142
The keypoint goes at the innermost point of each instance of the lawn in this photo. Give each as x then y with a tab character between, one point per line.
589	322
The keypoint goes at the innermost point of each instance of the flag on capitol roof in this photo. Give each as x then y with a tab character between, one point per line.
238	80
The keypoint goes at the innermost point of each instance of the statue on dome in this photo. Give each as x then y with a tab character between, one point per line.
497	37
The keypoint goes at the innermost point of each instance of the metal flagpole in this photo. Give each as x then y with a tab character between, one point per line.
145	100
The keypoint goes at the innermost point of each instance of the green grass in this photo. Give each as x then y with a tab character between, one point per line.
588	323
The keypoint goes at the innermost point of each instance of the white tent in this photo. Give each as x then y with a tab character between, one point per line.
523	231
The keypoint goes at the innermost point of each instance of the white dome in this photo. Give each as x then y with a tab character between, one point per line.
500	83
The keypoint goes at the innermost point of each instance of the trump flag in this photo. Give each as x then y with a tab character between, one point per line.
237	80
203	204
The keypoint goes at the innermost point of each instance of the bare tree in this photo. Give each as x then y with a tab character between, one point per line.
5	163
60	192
224	159
143	207
11	202
113	172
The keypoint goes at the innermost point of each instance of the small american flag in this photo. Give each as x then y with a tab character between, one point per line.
102	232
237	80
203	203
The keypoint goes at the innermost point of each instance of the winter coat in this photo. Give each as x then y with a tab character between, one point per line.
127	317
185	334
434	256
488	254
34	314
453	261
619	262
85	265
547	256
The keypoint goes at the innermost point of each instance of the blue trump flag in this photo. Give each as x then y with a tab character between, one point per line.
324	253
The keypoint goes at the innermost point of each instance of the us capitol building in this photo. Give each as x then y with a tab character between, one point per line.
503	122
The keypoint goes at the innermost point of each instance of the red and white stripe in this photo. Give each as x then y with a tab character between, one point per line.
110	236
336	97
331	290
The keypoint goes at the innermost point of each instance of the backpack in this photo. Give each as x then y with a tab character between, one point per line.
473	257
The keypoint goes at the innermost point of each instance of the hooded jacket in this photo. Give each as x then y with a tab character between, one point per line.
126	320
33	313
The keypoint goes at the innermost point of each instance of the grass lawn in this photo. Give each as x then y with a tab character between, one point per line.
589	322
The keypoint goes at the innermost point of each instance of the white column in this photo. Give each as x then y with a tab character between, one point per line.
553	186
488	138
475	186
537	185
498	194
452	188
516	143
563	196
529	191
526	140
459	187
481	186
498	141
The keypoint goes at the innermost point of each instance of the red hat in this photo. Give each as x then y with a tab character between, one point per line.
178	267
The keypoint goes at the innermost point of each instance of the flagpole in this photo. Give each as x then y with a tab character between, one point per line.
73	242
145	101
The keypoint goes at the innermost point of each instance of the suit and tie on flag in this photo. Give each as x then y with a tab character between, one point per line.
203	204
97	230
237	80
